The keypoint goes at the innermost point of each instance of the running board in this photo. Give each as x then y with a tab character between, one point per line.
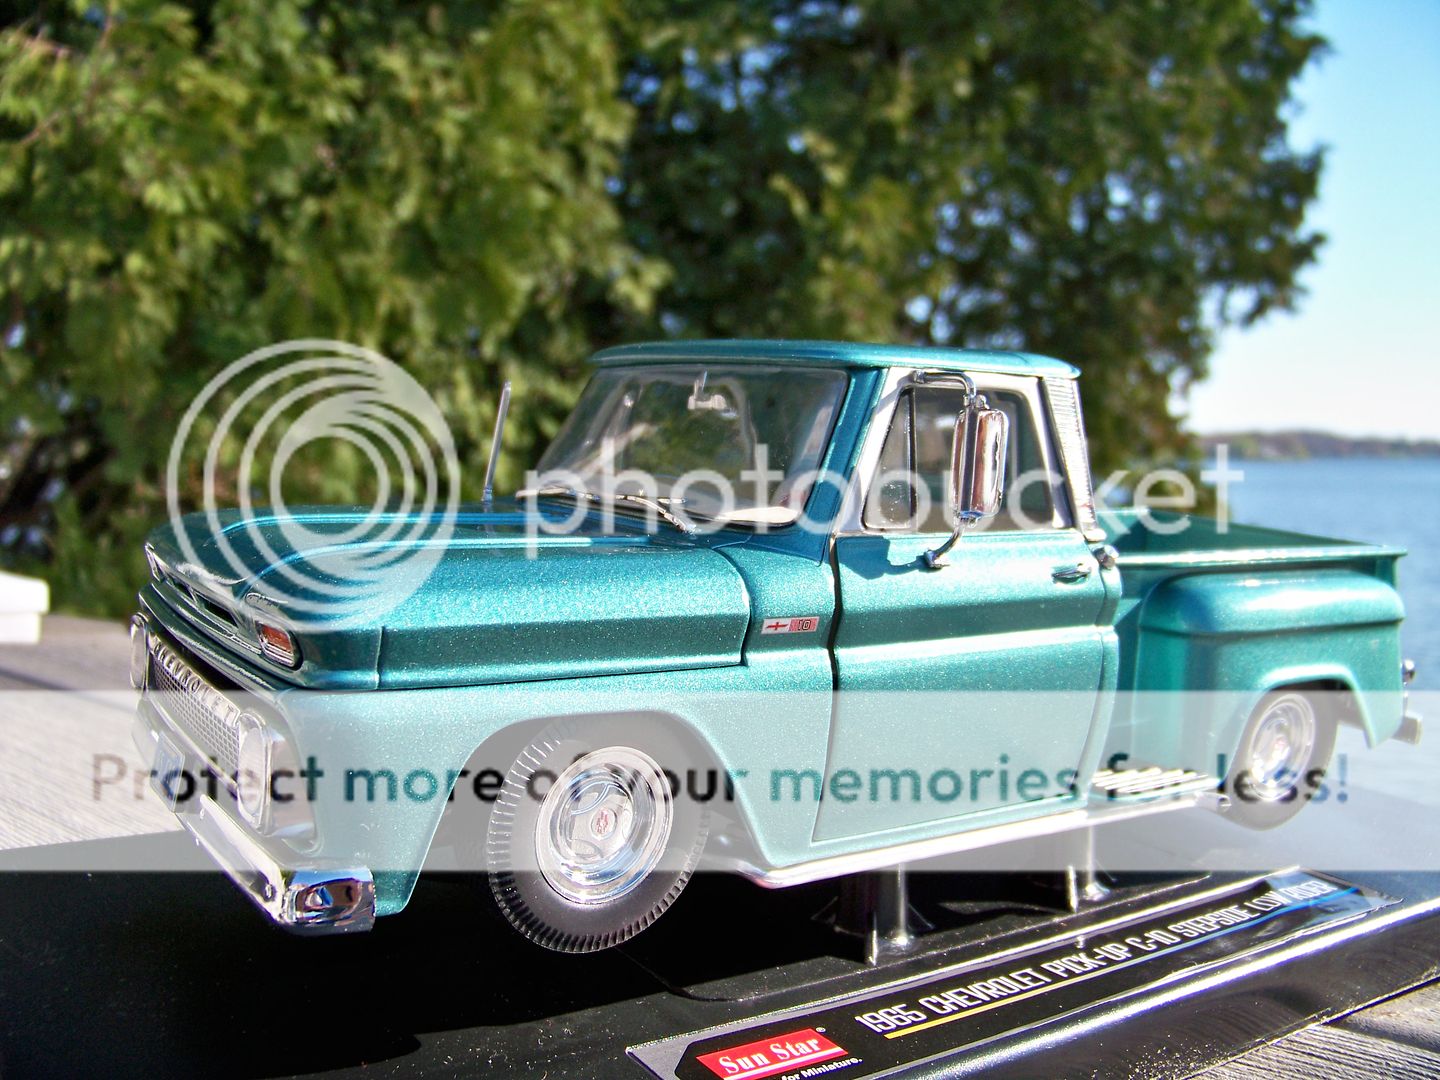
1151	783
1197	792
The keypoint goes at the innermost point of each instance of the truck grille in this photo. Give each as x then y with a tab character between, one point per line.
194	706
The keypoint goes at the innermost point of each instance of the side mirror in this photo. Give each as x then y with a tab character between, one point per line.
977	462
977	470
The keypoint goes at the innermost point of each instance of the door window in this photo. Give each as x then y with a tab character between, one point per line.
908	492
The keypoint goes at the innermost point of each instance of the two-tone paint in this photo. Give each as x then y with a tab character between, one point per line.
670	625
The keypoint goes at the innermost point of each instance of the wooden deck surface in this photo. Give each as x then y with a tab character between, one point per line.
68	768
1397	1039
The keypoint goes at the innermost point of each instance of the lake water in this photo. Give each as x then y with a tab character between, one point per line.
1380	500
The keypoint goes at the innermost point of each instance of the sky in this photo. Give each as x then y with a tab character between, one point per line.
1362	354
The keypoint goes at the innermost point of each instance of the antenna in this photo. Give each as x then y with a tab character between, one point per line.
500	412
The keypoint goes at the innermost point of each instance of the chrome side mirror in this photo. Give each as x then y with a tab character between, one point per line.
977	470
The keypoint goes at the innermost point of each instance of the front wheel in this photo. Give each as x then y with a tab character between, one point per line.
587	844
1281	760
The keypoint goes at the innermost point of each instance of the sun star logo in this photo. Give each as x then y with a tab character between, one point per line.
770	1057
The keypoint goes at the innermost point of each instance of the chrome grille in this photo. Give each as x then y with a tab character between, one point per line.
194	706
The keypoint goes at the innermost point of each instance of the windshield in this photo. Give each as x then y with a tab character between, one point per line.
736	443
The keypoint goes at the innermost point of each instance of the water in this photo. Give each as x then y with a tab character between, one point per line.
1378	500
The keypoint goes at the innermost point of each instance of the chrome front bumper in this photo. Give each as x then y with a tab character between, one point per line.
318	898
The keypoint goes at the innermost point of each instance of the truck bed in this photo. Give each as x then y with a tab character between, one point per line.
1181	543
1234	612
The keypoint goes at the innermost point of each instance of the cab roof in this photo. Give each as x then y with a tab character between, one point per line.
845	353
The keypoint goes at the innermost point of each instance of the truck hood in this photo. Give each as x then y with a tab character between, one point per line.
497	600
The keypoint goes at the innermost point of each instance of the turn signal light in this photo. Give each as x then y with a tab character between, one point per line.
278	644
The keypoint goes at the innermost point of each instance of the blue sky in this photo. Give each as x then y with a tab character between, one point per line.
1362	355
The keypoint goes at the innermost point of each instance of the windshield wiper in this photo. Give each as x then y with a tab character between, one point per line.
656	504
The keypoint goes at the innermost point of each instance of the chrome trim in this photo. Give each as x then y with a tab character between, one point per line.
488	490
320	898
957	379
1247	557
224	712
317	899
184	741
263	680
270	652
139	651
184	597
912	851
1411	725
1067	421
193	604
1106	556
246	723
290	821
851	519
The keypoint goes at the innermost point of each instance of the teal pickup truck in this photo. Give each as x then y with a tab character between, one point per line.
792	609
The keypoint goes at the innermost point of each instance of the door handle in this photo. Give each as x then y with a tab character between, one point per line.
1069	574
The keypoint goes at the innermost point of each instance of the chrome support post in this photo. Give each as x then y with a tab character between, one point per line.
875	907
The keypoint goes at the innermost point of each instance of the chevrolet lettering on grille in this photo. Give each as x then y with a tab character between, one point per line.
196	707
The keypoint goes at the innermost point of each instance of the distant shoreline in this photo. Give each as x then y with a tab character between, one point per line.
1309	445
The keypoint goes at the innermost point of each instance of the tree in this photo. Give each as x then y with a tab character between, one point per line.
1102	181
490	191
182	184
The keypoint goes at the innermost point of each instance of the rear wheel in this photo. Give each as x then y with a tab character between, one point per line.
1280	761
587	844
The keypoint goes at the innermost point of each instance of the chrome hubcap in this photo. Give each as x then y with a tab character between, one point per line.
604	825
1282	745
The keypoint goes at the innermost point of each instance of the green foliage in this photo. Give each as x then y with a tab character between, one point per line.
1086	180
181	185
490	191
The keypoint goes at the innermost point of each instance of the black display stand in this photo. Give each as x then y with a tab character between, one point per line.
174	974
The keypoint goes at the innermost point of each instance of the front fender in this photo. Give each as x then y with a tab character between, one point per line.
392	759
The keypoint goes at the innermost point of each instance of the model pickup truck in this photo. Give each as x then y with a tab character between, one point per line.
910	633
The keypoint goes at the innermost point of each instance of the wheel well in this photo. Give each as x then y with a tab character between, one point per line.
470	807
1335	699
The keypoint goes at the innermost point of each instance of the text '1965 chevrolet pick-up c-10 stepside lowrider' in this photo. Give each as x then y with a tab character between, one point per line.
733	622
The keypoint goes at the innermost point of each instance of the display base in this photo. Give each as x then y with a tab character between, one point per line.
174	974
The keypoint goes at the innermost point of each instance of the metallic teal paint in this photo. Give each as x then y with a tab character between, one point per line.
1227	616
669	625
503	602
502	613
980	634
846	353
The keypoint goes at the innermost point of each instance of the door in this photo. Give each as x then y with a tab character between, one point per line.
971	687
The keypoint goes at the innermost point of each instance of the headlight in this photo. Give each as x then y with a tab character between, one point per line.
252	768
278	644
139	652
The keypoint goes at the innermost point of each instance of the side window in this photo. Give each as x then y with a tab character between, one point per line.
908	493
